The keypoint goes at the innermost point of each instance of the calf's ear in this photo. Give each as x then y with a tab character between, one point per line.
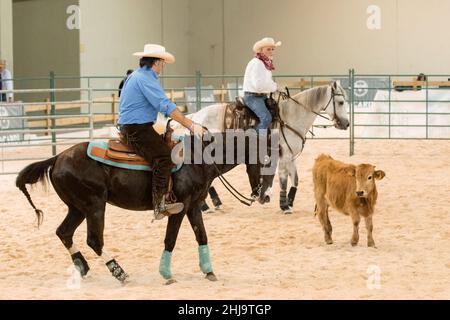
350	171
379	174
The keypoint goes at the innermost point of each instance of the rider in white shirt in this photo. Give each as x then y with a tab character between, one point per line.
258	82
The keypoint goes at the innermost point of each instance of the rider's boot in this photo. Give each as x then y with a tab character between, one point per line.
164	208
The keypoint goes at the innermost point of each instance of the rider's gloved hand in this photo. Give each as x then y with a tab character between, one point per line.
197	129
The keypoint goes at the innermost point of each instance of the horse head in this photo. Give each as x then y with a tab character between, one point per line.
338	106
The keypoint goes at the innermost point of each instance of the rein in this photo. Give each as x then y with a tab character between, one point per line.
225	182
232	190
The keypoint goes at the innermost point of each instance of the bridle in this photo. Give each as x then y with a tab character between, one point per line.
284	125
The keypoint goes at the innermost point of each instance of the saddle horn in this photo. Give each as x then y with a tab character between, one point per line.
168	132
168	125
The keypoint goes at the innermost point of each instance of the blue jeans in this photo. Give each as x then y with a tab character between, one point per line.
258	106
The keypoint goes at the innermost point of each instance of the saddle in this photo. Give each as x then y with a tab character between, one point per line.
122	152
117	150
239	116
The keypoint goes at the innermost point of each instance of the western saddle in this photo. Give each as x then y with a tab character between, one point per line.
239	116
122	152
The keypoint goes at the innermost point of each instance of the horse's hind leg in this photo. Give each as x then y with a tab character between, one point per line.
95	227
205	208
215	198
196	219
65	232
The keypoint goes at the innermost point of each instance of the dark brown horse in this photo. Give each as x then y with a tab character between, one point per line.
86	185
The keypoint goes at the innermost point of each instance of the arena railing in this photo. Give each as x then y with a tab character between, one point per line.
377	107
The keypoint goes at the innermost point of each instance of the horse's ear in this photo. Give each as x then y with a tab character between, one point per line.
334	85
287	92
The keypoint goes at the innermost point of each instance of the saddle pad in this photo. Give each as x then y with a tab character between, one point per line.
98	151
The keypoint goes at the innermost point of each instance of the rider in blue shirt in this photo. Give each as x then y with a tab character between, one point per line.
141	99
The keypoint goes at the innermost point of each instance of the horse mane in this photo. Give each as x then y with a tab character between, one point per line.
313	96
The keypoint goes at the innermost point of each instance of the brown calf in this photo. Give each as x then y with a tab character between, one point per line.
347	188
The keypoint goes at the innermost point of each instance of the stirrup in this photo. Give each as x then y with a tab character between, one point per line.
166	210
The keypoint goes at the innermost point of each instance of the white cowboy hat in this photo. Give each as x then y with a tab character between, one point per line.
266	42
156	51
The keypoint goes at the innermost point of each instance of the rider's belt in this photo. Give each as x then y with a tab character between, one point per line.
256	94
136	124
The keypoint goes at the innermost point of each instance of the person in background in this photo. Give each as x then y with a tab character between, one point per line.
421	77
5	82
123	81
258	82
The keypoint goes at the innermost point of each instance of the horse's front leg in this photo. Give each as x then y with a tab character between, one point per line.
283	173
294	181
196	219
173	226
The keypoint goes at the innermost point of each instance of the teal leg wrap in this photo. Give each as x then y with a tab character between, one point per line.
205	259
164	265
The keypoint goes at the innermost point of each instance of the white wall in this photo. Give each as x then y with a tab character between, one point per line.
6	35
43	43
112	30
324	36
423	37
216	36
206	36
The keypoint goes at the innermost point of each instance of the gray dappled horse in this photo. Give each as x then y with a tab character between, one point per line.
298	114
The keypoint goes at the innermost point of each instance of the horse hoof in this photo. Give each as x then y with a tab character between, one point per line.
288	211
117	271
80	264
211	277
125	279
171	281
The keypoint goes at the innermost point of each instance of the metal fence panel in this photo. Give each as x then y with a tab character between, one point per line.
6	124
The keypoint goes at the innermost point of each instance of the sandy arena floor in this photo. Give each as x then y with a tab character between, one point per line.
257	253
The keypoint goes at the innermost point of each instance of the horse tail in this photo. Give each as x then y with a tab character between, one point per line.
32	174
